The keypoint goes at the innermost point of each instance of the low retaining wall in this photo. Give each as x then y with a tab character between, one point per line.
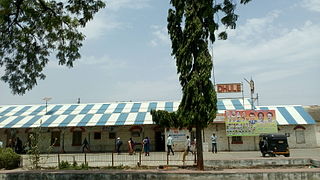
315	163
306	169
308	174
240	163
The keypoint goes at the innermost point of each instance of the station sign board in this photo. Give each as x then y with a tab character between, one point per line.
178	134
229	88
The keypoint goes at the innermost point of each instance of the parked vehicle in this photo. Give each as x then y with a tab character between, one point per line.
274	144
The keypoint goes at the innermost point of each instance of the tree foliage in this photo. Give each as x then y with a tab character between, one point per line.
192	24
31	30
37	144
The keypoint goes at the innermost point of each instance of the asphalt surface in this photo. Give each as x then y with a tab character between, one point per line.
313	153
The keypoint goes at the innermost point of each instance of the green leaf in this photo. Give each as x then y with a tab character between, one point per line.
31	30
223	35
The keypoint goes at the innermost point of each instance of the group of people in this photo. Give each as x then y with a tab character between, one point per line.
18	147
188	145
132	144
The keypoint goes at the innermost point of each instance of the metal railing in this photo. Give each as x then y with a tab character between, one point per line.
113	159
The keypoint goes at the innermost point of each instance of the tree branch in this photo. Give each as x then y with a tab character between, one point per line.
43	4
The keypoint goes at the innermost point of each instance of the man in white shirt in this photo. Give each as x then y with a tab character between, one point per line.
188	144
170	144
214	143
187	149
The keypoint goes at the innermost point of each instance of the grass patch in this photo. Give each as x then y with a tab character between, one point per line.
74	166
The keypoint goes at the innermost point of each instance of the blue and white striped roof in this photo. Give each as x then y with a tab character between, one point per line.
72	115
289	114
110	114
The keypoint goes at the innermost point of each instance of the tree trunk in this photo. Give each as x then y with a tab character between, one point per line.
199	147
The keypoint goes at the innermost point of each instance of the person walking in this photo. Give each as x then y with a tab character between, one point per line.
146	146
214	143
194	144
118	145
85	145
187	149
131	144
188	144
170	144
18	146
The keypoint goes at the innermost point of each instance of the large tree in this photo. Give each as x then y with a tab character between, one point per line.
31	30
191	25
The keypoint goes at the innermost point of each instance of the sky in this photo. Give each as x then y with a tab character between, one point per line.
127	56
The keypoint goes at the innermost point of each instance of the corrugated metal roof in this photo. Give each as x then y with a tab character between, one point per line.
290	114
122	113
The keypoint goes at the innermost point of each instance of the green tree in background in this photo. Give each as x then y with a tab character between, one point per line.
31	30
37	144
191	25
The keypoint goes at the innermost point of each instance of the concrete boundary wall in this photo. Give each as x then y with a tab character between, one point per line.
290	169
308	174
240	163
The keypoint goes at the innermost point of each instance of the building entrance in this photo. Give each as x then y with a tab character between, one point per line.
159	141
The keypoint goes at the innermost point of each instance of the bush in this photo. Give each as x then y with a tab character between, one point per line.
74	166
9	159
84	166
64	165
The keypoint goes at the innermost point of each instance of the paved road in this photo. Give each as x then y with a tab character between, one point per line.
158	158
295	153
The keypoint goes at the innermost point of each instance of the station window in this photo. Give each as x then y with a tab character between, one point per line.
112	135
76	138
236	140
135	134
55	138
300	137
97	135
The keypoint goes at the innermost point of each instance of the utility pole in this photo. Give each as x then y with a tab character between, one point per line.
47	99
251	84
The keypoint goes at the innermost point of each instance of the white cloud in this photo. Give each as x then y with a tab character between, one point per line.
312	5
103	62
105	20
284	53
100	25
293	42
167	89
255	27
115	5
160	36
278	73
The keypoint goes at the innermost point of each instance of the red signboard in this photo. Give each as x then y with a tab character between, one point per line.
229	88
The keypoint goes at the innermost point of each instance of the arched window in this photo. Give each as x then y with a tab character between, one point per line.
55	136
77	135
135	131
300	136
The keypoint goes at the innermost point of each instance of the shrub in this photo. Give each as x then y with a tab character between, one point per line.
74	166
9	159
84	166
64	165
